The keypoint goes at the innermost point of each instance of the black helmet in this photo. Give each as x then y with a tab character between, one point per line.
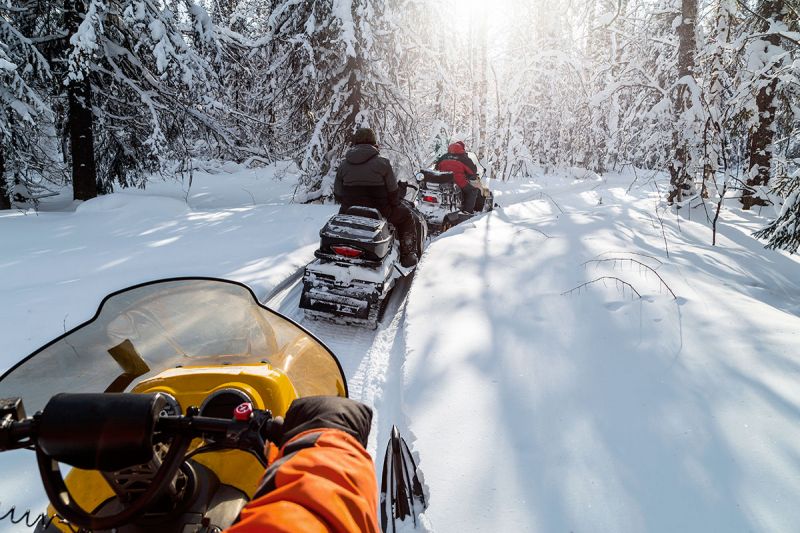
364	136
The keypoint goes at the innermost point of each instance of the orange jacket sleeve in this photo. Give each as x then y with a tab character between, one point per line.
322	480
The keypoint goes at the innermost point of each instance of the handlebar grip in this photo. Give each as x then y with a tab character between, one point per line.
108	431
15	435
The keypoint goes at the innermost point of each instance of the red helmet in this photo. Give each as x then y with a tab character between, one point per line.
457	147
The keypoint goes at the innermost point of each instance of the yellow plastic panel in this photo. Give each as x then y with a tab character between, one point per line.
236	468
269	388
88	489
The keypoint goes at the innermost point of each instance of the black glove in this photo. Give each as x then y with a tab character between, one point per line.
321	412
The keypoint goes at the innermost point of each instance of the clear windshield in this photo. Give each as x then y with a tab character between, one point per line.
146	329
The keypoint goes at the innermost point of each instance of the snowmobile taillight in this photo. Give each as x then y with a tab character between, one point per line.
430	199
346	251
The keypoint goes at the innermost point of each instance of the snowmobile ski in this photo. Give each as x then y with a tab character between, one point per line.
401	491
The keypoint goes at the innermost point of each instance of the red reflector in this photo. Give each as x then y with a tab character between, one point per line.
430	199
346	251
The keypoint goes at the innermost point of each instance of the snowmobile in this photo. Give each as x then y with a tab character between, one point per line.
167	396
357	265
439	199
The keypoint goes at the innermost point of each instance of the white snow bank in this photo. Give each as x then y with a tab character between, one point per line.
536	407
130	204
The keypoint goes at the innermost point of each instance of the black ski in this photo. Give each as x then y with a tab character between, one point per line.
401	490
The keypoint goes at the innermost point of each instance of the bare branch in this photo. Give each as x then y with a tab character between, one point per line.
643	265
603	278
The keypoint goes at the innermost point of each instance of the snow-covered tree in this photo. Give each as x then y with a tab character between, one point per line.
784	231
140	81
24	107
685	101
765	54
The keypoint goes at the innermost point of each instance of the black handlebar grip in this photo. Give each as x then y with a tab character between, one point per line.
105	432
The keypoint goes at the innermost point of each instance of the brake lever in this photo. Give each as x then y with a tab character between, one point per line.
247	431
249	434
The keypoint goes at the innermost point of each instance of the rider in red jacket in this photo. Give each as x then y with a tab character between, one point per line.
463	168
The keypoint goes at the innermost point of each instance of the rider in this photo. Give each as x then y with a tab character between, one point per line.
320	477
366	178
463	168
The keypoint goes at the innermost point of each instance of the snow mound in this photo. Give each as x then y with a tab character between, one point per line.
133	203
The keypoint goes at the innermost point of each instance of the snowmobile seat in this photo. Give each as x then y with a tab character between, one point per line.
366	212
436	176
361	228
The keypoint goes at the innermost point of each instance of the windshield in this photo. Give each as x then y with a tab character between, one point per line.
143	330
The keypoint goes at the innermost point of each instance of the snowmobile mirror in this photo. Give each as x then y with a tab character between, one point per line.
12	408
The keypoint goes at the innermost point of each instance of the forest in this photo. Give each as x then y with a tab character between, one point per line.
99	95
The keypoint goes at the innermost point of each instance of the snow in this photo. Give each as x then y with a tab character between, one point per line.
592	409
343	11
534	397
163	48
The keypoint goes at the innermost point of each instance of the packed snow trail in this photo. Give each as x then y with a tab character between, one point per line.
371	359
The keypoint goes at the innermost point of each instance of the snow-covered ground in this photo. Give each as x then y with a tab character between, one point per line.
536	398
542	403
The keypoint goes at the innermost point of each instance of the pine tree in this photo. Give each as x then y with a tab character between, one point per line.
24	107
140	84
784	232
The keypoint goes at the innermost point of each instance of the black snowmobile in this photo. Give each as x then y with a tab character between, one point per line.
357	265
439	199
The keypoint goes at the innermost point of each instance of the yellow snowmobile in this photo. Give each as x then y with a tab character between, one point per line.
168	396
211	367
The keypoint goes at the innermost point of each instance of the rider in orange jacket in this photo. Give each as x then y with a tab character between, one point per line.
320	477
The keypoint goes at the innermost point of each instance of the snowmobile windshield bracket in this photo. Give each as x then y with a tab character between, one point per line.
130	361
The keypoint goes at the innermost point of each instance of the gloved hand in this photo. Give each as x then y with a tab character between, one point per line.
318	412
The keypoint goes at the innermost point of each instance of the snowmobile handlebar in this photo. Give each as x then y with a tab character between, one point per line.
113	431
110	432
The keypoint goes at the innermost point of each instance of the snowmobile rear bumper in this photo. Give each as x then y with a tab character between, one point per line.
328	299
348	301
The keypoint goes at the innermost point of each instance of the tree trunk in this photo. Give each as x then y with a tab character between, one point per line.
762	135
5	196
680	179
482	88
761	146
80	120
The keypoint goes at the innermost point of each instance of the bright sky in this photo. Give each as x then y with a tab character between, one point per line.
494	12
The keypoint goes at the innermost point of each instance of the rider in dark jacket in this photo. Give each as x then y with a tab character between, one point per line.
366	178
